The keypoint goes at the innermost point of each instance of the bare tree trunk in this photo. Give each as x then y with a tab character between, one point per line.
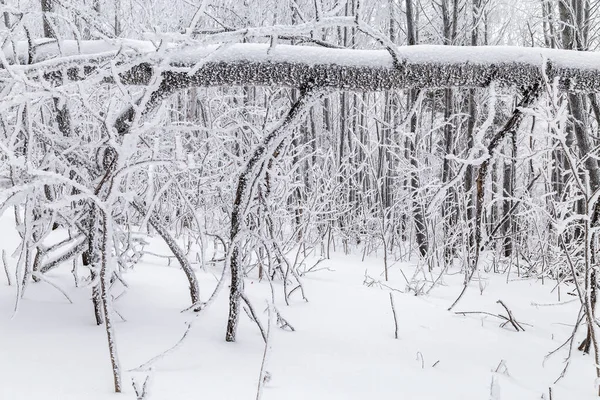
6	16
118	28
246	181
88	259
472	118
510	127
105	273
449	208
48	7
507	203
418	212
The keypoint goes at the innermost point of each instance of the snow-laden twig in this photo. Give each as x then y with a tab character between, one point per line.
80	245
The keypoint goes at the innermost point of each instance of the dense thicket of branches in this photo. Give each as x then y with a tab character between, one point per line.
251	134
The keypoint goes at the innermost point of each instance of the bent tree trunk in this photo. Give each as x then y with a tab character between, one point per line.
248	178
530	95
154	221
510	128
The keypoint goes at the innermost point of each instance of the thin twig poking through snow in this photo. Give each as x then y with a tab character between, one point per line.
395	316
369	281
264	375
147	366
175	249
570	341
282	323
6	267
511	318
507	319
42	278
142	392
254	317
494	389
420	358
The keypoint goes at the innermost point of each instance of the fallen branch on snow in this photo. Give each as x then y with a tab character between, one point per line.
510	319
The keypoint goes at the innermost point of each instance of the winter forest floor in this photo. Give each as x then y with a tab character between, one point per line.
343	347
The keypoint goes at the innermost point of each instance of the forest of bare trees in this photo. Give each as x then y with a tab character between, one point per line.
254	135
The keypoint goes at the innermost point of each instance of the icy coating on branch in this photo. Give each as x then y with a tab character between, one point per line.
423	66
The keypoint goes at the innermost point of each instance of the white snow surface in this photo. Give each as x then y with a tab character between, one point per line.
343	347
190	54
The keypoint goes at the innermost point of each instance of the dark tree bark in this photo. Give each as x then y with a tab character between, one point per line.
48	7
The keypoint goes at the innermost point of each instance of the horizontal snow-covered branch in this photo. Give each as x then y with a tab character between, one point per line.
184	65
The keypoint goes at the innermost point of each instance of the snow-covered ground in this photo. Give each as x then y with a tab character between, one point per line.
343	347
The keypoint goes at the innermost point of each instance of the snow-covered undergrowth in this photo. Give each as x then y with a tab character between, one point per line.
343	346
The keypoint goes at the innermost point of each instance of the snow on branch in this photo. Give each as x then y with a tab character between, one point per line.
425	66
